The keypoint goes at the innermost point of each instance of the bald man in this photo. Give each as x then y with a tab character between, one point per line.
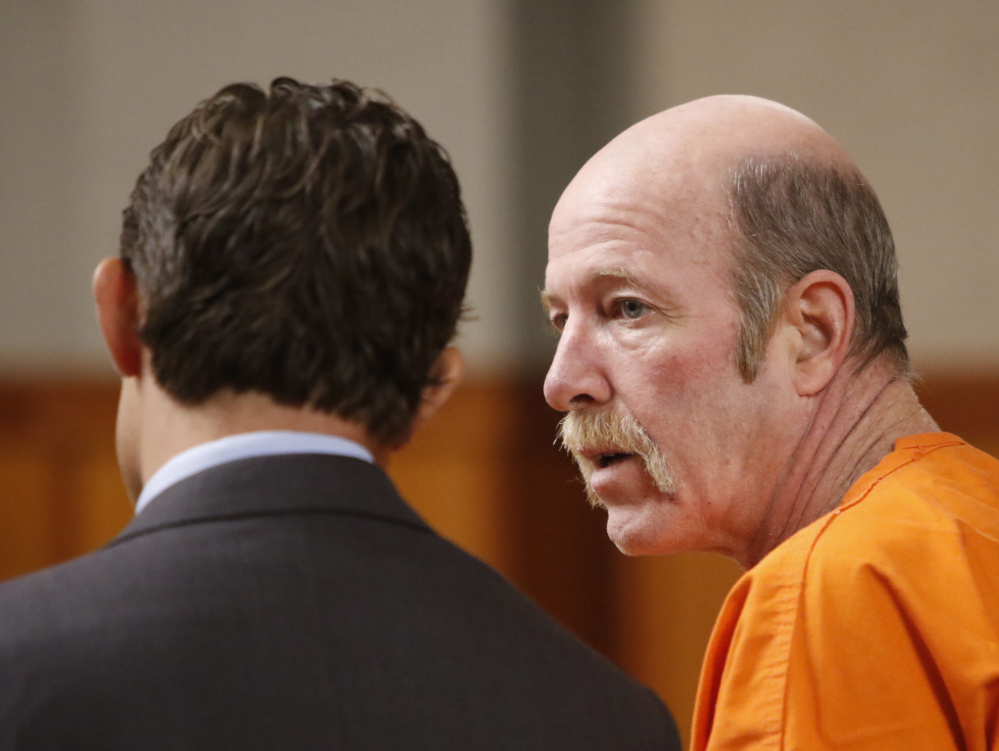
733	368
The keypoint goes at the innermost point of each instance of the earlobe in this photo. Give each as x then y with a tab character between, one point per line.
821	309
117	300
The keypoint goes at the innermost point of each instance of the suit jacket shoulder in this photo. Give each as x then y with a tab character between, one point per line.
298	602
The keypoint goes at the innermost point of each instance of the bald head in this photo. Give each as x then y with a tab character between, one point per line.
719	130
695	145
767	187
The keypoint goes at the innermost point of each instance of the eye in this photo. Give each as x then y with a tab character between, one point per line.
631	309
558	321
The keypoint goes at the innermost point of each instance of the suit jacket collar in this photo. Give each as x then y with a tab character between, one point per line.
276	485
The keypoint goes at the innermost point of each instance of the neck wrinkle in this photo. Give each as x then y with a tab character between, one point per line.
857	420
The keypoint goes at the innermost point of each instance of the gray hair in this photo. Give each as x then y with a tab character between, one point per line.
793	216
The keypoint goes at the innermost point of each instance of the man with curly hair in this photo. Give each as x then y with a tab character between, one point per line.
292	269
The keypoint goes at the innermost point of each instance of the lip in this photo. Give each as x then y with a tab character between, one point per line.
615	482
608	465
604	457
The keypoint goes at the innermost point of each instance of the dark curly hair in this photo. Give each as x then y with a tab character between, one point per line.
308	243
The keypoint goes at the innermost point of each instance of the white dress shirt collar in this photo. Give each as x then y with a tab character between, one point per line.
244	446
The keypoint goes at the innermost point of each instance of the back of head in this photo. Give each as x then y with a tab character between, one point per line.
795	215
308	243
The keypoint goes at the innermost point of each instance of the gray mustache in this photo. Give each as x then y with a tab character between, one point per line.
613	431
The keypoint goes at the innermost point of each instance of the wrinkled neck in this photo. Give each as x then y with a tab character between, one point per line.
855	423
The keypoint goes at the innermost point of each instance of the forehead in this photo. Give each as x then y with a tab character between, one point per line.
633	224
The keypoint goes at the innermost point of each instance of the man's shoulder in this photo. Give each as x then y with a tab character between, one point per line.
395	596
55	581
910	552
913	541
926	496
930	503
54	620
52	591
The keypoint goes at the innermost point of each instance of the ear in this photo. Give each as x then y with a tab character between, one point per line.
447	373
819	310
117	299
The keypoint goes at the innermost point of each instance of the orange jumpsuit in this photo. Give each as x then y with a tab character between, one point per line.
875	627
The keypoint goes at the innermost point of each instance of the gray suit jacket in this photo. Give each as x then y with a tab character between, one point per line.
297	602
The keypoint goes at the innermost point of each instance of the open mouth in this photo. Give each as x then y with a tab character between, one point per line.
605	460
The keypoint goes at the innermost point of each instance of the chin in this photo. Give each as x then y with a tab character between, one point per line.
636	532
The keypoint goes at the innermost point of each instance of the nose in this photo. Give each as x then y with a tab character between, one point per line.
576	378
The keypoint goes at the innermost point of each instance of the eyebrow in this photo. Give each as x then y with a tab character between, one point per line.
613	273
616	273
546	297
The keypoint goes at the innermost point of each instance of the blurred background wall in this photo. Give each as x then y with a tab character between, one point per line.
520	92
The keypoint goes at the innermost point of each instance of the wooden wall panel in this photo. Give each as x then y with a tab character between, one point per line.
28	511
558	543
452	470
487	475
61	494
663	613
966	404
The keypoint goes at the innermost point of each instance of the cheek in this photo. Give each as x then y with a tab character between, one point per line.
702	371
694	404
